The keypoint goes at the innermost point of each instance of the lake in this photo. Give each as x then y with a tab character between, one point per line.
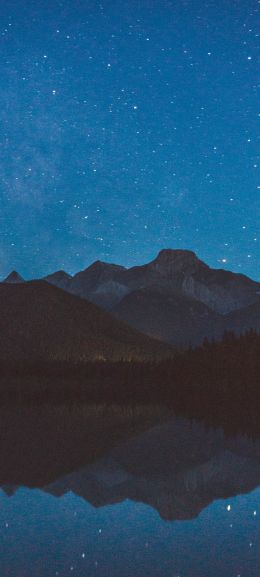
134	493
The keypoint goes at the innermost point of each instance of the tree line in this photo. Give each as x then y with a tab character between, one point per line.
217	380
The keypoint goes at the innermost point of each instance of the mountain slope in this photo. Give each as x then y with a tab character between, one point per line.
181	272
60	279
182	300
244	319
178	272
101	283
13	278
172	318
40	321
176	297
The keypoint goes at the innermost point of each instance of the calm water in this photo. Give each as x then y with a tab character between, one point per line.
174	500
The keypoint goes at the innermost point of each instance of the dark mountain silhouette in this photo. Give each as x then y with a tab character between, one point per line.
176	297
61	279
173	318
221	290
13	278
182	321
40	321
244	319
179	272
100	283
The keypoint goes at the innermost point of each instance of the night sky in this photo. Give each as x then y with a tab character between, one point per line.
127	127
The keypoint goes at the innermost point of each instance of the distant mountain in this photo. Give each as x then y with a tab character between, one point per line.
176	298
181	272
13	278
61	279
101	283
244	319
40	321
176	272
172	318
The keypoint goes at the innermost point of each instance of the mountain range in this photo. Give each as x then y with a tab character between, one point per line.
176	298
39	321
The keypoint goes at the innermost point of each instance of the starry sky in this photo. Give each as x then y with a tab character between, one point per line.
127	127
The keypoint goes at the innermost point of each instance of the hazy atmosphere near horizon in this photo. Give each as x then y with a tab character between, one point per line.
127	127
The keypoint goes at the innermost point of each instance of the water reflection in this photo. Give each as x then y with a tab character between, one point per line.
178	468
175	499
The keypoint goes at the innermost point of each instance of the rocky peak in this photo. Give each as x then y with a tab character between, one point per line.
177	261
98	271
100	266
88	281
59	275
14	278
60	279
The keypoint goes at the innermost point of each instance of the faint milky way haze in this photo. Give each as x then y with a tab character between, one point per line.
127	127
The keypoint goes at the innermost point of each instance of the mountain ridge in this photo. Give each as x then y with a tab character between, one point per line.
176	297
39	321
178	271
13	278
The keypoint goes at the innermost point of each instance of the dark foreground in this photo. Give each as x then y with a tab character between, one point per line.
218	382
120	491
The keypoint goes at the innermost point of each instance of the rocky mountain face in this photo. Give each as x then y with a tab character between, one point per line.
101	283
177	272
174	318
176	297
60	279
181	272
42	322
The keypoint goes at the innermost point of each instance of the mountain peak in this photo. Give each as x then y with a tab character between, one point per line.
170	254
100	265
60	278
13	278
177	260
65	327
59	274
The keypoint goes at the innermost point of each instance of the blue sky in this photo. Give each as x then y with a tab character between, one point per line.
127	128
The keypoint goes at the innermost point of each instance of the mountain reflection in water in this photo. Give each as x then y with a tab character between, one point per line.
181	470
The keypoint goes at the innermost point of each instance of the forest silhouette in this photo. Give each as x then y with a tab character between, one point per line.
218	381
